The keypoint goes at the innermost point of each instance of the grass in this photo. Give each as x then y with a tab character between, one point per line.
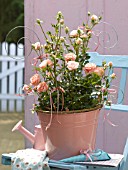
10	141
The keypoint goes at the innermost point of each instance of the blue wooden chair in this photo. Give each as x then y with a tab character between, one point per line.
121	62
124	163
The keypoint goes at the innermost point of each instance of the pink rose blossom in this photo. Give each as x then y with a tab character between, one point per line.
42	87
99	71
35	80
27	88
110	64
43	64
49	62
46	63
70	56
89	67
72	65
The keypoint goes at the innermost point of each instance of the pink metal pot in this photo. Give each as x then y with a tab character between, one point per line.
69	133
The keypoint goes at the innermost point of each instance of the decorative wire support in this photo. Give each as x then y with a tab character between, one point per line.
20	92
112	94
105	35
49	124
18	27
58	97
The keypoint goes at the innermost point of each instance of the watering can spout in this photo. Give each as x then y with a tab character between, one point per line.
24	131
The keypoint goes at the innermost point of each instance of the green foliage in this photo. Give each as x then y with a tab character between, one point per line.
65	79
12	15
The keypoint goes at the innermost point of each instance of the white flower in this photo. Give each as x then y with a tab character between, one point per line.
62	21
79	41
113	75
37	46
94	18
73	33
89	33
84	36
62	39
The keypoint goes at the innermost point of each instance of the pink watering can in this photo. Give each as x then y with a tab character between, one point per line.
37	139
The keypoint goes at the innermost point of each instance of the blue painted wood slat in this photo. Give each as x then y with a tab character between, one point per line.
119	61
123	81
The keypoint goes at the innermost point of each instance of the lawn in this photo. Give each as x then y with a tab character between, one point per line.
10	141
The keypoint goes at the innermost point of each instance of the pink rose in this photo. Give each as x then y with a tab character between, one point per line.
42	87
46	63
49	62
72	65
110	64
35	79
27	88
89	67
70	56
43	64
99	71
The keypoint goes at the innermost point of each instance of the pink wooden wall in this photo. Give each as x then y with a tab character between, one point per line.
113	11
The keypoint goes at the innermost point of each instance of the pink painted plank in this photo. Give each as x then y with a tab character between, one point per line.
116	13
29	21
116	136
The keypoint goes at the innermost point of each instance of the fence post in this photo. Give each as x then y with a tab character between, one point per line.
20	52
4	80
12	51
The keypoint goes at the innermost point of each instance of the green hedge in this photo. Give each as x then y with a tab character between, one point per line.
11	15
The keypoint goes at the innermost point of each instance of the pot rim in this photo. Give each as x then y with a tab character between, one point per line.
71	111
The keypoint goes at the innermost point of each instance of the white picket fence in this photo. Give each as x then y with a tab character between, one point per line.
11	77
